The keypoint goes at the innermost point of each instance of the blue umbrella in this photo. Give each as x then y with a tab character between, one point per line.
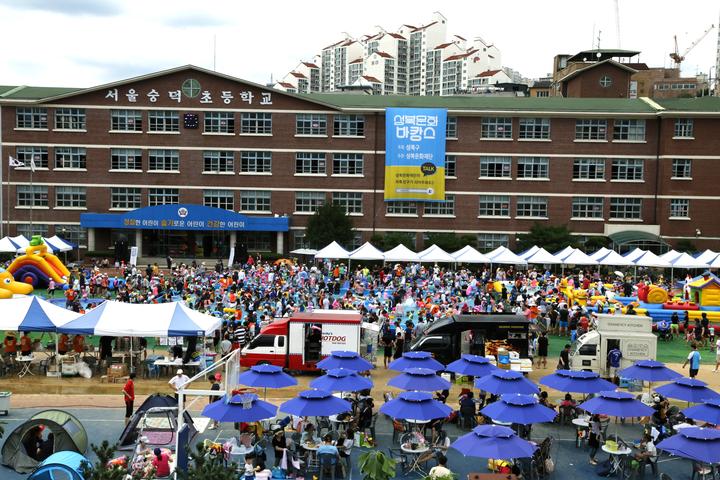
493	441
266	376
576	381
695	443
472	365
707	412
345	359
649	371
342	380
240	408
315	403
505	381
517	408
418	406
616	404
416	360
422	379
688	389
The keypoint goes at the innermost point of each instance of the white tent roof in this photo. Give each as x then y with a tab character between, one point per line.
435	254
468	254
366	252
401	254
504	255
333	251
564	252
635	254
614	259
649	259
304	251
687	261
543	257
602	253
670	256
715	263
20	241
529	252
578	257
707	256
32	314
6	245
59	244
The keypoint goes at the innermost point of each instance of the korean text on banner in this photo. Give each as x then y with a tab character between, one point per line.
415	154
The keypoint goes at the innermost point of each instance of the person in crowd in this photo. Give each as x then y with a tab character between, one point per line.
543	344
440	470
161	463
693	359
327	446
564	361
129	396
178	381
279	444
613	360
595	437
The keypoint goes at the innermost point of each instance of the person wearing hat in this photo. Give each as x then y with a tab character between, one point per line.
279	444
178	381
142	448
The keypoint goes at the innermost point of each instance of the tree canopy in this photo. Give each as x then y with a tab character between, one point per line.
330	223
550	237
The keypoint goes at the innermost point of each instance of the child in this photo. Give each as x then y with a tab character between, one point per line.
249	466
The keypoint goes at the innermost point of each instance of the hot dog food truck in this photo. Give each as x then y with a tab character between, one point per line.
300	341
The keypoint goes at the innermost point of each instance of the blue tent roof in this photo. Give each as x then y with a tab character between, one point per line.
85	324
69	461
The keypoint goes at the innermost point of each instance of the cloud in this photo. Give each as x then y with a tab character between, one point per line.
100	8
195	20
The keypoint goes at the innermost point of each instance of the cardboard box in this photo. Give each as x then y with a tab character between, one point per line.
117	370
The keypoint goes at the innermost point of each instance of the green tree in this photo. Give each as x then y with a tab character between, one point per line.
330	223
100	470
594	244
203	466
374	465
449	241
685	245
550	237
393	239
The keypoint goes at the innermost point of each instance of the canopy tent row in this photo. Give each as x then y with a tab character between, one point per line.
19	243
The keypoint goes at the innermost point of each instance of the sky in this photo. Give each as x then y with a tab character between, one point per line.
82	43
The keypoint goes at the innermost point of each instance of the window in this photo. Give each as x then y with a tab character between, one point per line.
126	120
630	130
496	127
495	167
31	117
451	127
533	167
450	166
256	123
590	129
218	162
542	93
124	198
349	126
622	208
534	129
605	81
299	239
163	121
587	207
70	197
35	229
627	169
441	208
589	169
32	196
679	208
164	161
255	201
125	159
401	208
531	207
309	201
348	164
73	234
219	122
681	168
163	196
70	158
70	118
490	241
494	206
262	341
350	201
256	162
310	124
311	163
38	154
683	128
219	199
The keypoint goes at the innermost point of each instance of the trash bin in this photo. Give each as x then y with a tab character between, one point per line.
5	402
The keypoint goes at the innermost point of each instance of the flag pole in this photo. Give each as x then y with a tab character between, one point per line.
32	203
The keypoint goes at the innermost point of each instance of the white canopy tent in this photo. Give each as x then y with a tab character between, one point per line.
543	257
707	256
435	254
602	253
578	257
20	241
634	254
612	258
7	245
468	254
366	252
333	252
687	261
505	256
715	263
564	252
670	256
304	251
649	259
401	254
529	252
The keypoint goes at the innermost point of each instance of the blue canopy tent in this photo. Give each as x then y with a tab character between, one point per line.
64	465
33	314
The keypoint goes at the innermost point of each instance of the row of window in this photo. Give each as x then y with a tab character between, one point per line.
260	123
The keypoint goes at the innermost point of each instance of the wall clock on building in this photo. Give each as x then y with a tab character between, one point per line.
190	120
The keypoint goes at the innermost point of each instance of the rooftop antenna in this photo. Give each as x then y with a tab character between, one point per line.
598	39
215	52
617	22
592	40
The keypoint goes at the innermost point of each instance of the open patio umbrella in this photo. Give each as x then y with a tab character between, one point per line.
688	389
244	407
418	406
421	379
493	441
345	359
506	381
616	404
342	380
315	403
416	360
695	443
706	412
649	371
517	408
472	365
576	381
266	376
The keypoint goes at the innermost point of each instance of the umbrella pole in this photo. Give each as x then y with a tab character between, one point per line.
57	355
131	354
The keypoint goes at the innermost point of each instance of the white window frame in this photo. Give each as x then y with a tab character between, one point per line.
168	160
679	208
533	168
31	118
624	208
490	241
219	198
534	129
587	207
531	206
219	122
583	167
627	170
450	166
494	206
629	130
163	121
505	166
163	196
256	201
70	119
70	197
496	128
255	123
255	162
125	198
686	167
34	196
451	128
352	202
311	124
39	154
348	164
401	208
125	120
684	128
591	130
126	159
70	158
348	125
218	162
309	202
311	163
445	208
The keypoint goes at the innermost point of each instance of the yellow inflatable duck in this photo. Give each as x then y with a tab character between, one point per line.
8	285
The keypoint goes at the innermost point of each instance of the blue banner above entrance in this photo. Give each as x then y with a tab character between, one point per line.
184	217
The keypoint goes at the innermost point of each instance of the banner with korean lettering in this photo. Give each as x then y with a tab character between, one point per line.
415	154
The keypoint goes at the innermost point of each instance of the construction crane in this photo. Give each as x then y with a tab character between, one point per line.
677	57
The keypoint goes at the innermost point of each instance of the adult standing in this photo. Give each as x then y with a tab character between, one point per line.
178	381
399	344
613	361
693	358
717	354
564	362
542	349
129	396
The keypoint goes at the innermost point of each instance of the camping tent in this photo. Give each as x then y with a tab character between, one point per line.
33	314
157	419
333	252
401	253
68	434
60	466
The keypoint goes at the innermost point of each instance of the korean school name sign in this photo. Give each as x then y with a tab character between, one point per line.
415	154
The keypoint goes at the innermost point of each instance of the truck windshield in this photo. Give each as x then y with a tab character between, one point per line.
262	341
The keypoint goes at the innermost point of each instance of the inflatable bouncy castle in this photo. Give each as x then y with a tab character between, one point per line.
9	287
37	266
